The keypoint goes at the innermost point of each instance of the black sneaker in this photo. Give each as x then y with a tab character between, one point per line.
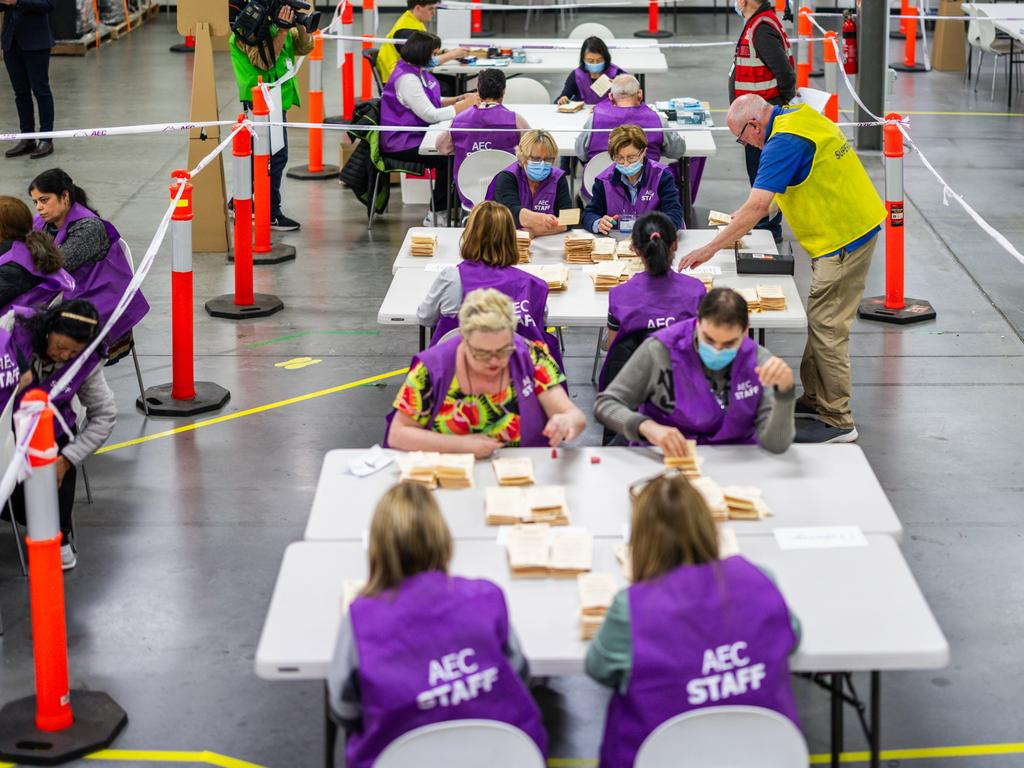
820	432
803	411
282	223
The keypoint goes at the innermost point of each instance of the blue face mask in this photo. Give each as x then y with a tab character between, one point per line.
630	170
434	62
537	170
594	69
715	359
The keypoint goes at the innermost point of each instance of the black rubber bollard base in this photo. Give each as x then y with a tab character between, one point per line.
914	311
302	172
279	253
816	73
98	721
661	33
182	48
263	304
905	68
209	397
900	36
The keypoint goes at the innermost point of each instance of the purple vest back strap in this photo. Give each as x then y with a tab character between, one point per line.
707	635
466	142
50	283
393	112
617	199
607	115
583	83
456	668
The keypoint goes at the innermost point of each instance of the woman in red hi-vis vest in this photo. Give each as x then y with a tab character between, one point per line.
763	64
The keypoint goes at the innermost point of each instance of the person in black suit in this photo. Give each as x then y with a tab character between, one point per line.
26	40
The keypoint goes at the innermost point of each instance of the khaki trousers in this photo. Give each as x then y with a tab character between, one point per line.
837	285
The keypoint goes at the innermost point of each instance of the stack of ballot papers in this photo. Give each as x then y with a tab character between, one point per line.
713	496
423	244
571	106
430	469
771	298
608	274
539	504
688	464
751	297
604	249
350	590
555	275
718	219
517	471
455	470
745	503
624	249
523	242
579	246
597	590
536	550
728	545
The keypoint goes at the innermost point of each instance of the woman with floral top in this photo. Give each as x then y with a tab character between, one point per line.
483	389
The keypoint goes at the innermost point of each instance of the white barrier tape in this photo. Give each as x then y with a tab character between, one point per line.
569	45
924	42
927	17
26	419
846	78
949	192
121	130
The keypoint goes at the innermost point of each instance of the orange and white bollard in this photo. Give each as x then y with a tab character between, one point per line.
894	307
243	303
189	46
910	41
264	251
831	76
806	54
315	168
348	77
653	29
184	396
44	725
369	25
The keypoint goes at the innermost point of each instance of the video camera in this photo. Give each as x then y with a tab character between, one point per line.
251	22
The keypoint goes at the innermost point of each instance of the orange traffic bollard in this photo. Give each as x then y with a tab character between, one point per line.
831	76
803	66
315	168
653	29
910	41
264	252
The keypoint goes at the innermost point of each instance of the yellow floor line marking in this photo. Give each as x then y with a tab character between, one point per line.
161	756
250	412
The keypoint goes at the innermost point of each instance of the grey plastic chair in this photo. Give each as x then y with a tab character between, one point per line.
463	744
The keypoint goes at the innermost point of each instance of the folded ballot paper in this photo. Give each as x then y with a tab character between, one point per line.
770	298
689	464
514	471
608	274
536	504
597	590
579	247
523	242
604	249
602	85
750	296
432	469
538	551
423	243
571	106
555	275
713	496
745	503
719	219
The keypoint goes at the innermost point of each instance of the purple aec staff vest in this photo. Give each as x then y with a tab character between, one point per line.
22	339
10	374
647	303
432	651
483	118
543	200
583	82
393	112
716	634
697	413
616	196
50	283
440	364
103	282
607	115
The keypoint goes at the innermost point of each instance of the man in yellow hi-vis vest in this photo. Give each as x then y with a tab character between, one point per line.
809	168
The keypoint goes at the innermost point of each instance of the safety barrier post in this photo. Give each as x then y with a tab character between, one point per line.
901	28
315	168
243	303
264	252
44	725
894	307
652	23
910	41
806	55
831	77
780	6
184	396
369	15
189	46
348	77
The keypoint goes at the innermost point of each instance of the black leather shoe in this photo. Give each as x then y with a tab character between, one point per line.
43	149
23	147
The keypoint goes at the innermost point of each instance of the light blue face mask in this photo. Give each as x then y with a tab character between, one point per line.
593	69
537	170
715	359
434	62
630	170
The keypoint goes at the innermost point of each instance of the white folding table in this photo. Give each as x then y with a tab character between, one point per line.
1007	18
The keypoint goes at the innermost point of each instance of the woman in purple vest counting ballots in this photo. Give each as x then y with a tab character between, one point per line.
31	266
532	188
595	61
92	254
693	630
46	343
657	297
412	98
484	389
488	125
632	185
489	256
419	646
705	380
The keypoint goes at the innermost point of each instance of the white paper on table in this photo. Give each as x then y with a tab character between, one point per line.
436	267
704	269
502	540
820	537
372	461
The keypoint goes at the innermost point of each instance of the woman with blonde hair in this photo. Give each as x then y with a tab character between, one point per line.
419	646
483	389
693	630
31	265
489	258
532	188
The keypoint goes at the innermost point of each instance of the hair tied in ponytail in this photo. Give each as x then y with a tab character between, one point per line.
655	235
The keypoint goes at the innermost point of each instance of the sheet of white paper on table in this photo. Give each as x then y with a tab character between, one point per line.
704	269
370	462
503	530
435	267
820	537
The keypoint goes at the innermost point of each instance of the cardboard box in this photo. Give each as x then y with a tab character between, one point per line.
948	53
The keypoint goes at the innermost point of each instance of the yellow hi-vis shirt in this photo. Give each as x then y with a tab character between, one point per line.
388	56
836	203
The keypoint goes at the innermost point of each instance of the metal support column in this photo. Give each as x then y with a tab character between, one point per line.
873	62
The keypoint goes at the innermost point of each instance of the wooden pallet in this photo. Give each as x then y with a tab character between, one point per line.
84	44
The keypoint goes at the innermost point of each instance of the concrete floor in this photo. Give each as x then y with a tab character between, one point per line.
179	552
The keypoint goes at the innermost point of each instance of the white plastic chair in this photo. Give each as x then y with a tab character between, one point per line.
981	34
479	169
526	90
591	29
725	737
591	170
462	744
